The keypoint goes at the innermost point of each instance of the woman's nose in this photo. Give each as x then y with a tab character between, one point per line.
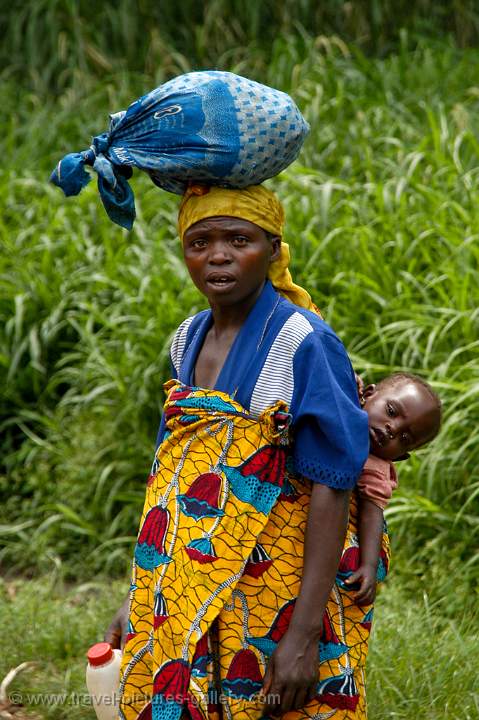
219	254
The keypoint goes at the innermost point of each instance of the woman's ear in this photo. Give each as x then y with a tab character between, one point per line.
275	247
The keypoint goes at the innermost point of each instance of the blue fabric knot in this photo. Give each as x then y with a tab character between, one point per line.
89	156
115	192
105	170
101	143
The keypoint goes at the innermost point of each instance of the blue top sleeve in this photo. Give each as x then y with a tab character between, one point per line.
331	439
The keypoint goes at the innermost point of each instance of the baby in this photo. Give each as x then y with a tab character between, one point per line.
404	414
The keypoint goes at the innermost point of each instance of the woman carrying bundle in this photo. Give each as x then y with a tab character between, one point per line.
235	588
233	599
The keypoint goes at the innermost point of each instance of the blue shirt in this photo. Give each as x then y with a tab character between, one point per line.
284	352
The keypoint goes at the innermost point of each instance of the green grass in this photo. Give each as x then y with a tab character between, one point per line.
382	218
421	663
49	44
53	625
383	223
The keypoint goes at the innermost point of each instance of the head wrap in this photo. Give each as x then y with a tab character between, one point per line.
256	204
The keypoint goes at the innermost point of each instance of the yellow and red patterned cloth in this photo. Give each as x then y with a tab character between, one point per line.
217	570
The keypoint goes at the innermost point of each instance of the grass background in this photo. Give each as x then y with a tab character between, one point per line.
420	664
382	218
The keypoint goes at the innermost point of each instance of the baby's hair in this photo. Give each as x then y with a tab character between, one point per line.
409	377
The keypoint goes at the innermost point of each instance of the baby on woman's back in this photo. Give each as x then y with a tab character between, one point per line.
404	414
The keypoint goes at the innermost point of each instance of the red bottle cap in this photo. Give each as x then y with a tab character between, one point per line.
100	653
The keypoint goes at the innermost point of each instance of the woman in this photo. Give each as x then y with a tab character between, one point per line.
236	555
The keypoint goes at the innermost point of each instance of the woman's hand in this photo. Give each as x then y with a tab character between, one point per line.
291	678
365	575
292	673
116	633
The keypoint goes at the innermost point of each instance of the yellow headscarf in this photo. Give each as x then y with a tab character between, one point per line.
259	206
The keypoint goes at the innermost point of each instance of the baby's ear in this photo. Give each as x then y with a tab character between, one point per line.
368	391
406	456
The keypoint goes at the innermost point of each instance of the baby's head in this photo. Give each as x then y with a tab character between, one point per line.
404	414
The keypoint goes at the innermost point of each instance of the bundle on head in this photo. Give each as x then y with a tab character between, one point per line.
208	127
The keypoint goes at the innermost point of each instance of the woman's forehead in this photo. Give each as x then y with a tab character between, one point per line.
222	222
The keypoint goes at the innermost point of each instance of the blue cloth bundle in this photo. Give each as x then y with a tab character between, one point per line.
208	127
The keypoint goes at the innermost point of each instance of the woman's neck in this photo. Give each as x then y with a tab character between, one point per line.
229	318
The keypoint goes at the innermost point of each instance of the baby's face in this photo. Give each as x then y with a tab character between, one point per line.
402	417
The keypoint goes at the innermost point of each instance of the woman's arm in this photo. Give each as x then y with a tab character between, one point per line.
331	442
292	673
370	532
116	633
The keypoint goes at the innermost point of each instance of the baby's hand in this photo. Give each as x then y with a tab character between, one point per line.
365	575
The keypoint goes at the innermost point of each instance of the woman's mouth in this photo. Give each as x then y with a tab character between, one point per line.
220	281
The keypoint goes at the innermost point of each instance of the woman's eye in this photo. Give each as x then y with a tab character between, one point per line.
390	410
240	240
199	243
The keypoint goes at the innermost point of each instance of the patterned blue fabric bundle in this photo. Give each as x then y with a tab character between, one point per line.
206	127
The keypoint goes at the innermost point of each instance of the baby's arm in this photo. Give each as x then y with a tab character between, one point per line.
370	530
375	487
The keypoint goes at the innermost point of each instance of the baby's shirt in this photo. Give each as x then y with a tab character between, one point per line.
377	481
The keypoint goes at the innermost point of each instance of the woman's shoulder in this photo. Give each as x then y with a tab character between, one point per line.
296	339
297	344
306	325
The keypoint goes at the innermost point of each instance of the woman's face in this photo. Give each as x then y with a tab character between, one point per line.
228	258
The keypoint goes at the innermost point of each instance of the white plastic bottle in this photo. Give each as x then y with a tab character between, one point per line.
103	679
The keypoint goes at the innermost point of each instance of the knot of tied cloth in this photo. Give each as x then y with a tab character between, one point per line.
261	207
117	196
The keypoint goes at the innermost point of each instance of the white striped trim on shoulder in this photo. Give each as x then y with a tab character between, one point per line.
178	344
276	379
